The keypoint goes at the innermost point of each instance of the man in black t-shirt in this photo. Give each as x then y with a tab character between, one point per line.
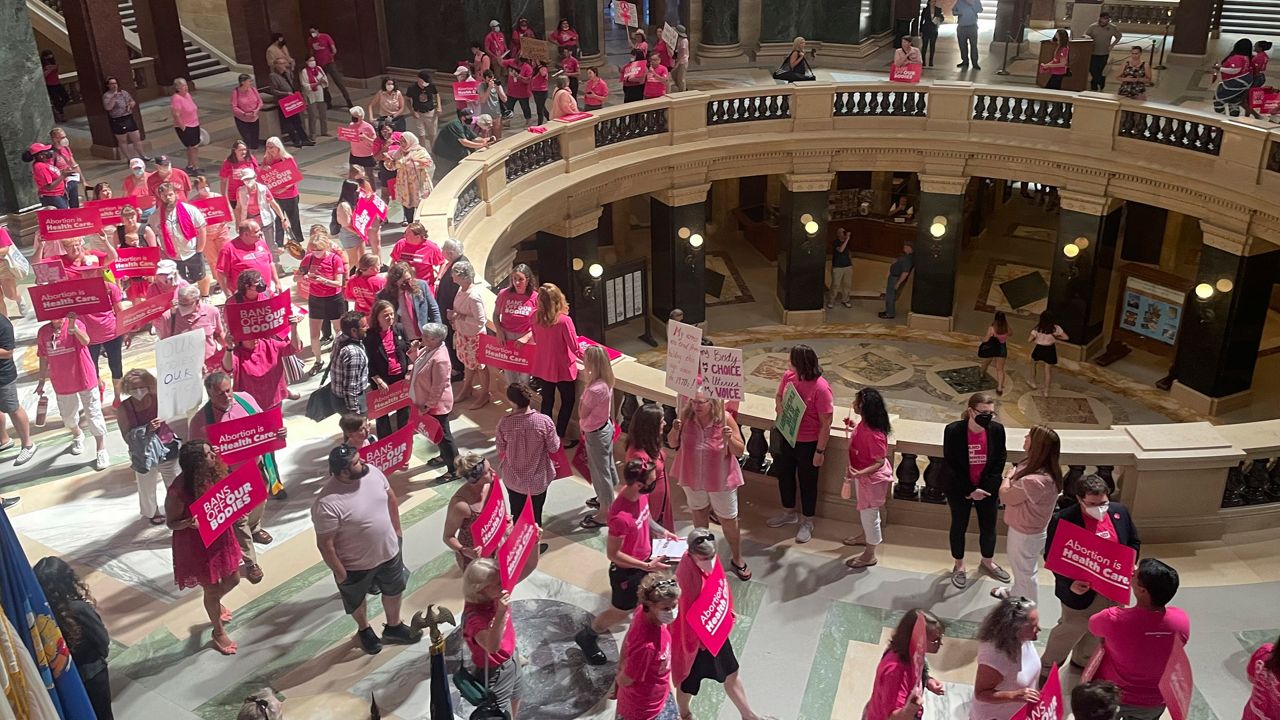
455	142
425	101
899	272
9	404
841	269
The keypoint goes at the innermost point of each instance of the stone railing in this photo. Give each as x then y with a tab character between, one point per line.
1184	482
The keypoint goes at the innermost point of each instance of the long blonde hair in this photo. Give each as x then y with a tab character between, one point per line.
551	304
596	362
717	410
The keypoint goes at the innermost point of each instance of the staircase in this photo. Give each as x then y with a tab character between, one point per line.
199	62
1257	19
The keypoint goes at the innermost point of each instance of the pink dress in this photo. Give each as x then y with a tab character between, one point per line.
259	371
866	445
194	565
703	461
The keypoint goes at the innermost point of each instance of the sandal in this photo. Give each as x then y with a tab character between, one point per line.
262	537
740	570
854	541
857	563
316	369
593	503
224	613
156	520
1000	593
228	649
590	523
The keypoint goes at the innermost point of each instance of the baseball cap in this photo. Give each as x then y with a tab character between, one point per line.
494	24
38	148
166	267
247	174
162	160
461	71
137	163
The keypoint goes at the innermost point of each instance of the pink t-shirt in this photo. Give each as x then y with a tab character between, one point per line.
365	137
424	257
322	47
364	291
70	365
600	89
1138	645
893	685
866	445
558	351
629	520
184	106
1264	703
518	79
101	326
539	81
230	172
655	83
703	462
646	659
476	618
330	266
288	192
259	371
44	173
389	345
1060	57
597	402
235	258
515	312
977	455
817	400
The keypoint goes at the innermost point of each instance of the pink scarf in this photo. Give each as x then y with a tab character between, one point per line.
185	224
313	77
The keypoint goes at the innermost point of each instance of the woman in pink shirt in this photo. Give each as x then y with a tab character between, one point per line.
288	222
519	32
655	79
362	147
569	67
246	103
489	635
707	445
423	256
105	337
896	692
800	465
1264	672
644	442
597	90
257	366
519	79
643	683
50	182
1061	62
1030	495
564	36
323	273
62	345
513	313
563	103
468	319
363	288
137	417
526	439
595	424
538	85
229	175
633	77
555	366
638	41
186	122
870	470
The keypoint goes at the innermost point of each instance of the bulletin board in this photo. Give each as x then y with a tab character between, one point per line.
1150	309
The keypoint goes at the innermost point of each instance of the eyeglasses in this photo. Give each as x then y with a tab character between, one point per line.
708	538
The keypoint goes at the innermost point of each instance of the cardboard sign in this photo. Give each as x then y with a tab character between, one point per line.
85	296
392	452
49	271
1079	554
346	133
58	224
426	425
918	649
280	176
257	319
1049	706
109	210
384	402
291	105
1176	684
510	355
140	314
216	209
684	357
669	36
136	262
793	407
247	438
711	615
362	217
560	461
909	73
465	92
573	117
514	552
179	386
721	373
584	341
230	499
625	13
491	525
535	50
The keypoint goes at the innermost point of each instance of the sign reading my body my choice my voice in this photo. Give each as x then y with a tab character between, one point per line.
1081	555
227	501
722	373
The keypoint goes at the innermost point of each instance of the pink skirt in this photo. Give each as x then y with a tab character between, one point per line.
194	565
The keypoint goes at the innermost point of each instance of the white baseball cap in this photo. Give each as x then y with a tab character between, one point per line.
166	267
137	163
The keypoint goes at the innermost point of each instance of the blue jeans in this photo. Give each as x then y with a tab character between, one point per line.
54	201
890	295
73	193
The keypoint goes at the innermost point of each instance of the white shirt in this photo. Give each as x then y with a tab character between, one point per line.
186	247
1024	673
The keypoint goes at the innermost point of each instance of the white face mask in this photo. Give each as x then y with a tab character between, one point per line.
704	563
311	63
666	617
138	171
315	33
1096	512
138	394
64	142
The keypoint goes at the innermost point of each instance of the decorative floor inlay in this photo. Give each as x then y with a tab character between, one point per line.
1025	289
725	284
1026	294
967	380
873	366
1073	410
1037	234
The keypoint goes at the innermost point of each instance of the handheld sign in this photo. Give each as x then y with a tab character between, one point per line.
138	315
1079	554
510	355
625	13
279	177
514	552
109	210
362	216
1049	706
1176	685
379	205
392	452
346	133
535	50
793	407
711	615
491	525
684	357
721	373
89	295
465	92
1095	662
136	262
49	271
227	501
560	461
384	402
909	73
56	224
216	209
247	438
426	425
669	36
293	104
257	319
179	386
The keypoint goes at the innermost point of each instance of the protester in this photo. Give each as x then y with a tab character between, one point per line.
216	234
62	345
1100	700
153	447
519	85
633	75
1138	641
388	105
413	174
800	464
570	70
257	365
424	100
352	241
246	103
468	319
313	83
1264	673
489	633
495	44
994	347
538	86
681	59
362	147
215	568
165	172
75	611
555	366
870	470
120	107
906	54
432	394
456	140
1029	496
389	358
899	273
50	181
564	36
1110	521
135	186
597	90
410	298
563	103
247	251
1044	336
9	404
257	203
262	705
1008	663
186	122
595	424
195	313
66	163
166	281
656	79
229	175
974	451
645	433
526	440
491	100
1060	64
182	231
288	223
446	293
707	444
465	506
325	272
357	522
643	682
105	338
895	692
283	85
326	55
363	287
513	313
349	363
385	149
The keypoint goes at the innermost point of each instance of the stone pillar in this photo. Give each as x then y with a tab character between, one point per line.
251	30
28	116
358	29
679	268
1084	14
587	17
1219	336
802	256
719	29
1191	32
565	251
97	41
1011	20
161	37
1083	258
933	288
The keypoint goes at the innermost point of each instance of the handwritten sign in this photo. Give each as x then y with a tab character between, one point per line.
216	209
909	73
711	615
291	105
246	438
109	210
384	402
136	262
392	452
85	296
491	525
179	386
140	314
684	357
49	271
257	319
669	36
279	177
793	407
230	499
58	224
347	133
1079	554
1176	684
625	13
514	552
465	92
510	355
722	373
1049	706
535	50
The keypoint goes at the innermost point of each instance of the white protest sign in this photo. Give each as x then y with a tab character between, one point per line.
669	37
684	357
179	385
722	373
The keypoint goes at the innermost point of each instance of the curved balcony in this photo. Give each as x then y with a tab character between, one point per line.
1189	481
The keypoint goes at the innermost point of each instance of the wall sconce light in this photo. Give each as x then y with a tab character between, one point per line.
811	227
805	219
593	273
695	244
577	264
937	230
695	241
1224	285
1071	250
1204	290
596	271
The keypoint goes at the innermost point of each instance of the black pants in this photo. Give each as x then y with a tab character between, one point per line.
928	47
795	467
518	500
248	132
524	106
447	449
290	208
987	510
1054	83
573	86
540	100
292	126
112	350
59	98
1098	71
567	399
632	93
458	368
408	213
99	689
392	422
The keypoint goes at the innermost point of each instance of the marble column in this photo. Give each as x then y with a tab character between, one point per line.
587	17
1011	22
28	117
1191	32
1219	336
719	29
1084	14
679	268
802	255
565	251
358	28
1083	259
251	30
157	21
937	252
97	42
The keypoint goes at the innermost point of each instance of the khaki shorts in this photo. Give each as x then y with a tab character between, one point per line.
725	504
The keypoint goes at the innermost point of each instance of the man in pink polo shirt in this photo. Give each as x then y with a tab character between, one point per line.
63	348
194	313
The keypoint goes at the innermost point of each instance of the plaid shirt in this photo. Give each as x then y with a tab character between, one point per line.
349	373
525	442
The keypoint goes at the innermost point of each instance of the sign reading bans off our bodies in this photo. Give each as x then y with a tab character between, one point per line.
227	501
257	319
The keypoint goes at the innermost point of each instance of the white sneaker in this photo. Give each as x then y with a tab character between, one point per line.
788	517
101	461
805	533
77	445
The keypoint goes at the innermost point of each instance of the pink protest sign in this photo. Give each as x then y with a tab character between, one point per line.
465	92
137	315
247	438
711	615
291	105
280	176
511	355
257	319
426	425
383	402
1176	684
49	271
909	73
919	647
1049	706
379	205
392	452
491	525
227	501
346	133
58	224
514	552
1095	662
574	117
560	461
216	209
85	296
1081	555
136	262
362	217
109	210
584	341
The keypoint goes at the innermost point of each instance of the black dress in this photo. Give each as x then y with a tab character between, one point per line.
90	653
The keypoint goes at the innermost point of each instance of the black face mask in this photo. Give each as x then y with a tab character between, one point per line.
646	489
260	287
984	419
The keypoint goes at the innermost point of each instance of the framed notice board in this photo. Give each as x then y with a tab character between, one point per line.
1149	314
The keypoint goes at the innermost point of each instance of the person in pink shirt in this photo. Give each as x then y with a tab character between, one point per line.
66	163
324	272
870	470
596	92
895	692
195	313
135	185
1138	641
1030	495
50	182
247	251
519	88
432	392
570	68
638	41
513	312
165	172
229	175
1264	672
166	280
424	256
1061	62
708	444
105	338
555	366
62	345
595	424
563	103
564	36
362	148
325	51
186	122
633	76
664	54
216	233
363	287
538	85
643	683
288	222
495	44
799	465
645	432
521	31
656	78
489	634
246	103
468	319
257	366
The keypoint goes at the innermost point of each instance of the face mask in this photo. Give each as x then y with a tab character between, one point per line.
64	142
1097	512
704	563
646	489
138	394
666	617
315	33
311	63
984	419
138	172
260	287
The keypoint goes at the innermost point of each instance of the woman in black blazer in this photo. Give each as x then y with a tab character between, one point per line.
974	450
387	368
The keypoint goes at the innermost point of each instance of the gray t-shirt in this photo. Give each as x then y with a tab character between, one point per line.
357	513
1102	37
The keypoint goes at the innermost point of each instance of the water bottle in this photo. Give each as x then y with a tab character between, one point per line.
42	409
846	489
